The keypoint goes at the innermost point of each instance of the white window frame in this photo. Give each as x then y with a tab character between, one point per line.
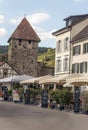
76	68
66	64
58	67
58	46
84	67
66	44
77	50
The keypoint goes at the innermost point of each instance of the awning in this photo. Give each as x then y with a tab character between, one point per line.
79	81
54	80
60	79
36	80
8	79
17	78
21	78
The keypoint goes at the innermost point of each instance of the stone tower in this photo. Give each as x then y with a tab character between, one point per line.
23	49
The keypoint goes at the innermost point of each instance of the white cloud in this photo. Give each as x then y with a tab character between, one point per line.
80	0
3	31
34	19
1	18
44	35
37	18
15	21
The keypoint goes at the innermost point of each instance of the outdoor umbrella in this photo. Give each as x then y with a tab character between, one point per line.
78	81
60	79
35	80
21	78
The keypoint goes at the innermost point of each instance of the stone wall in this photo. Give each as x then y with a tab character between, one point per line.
43	70
22	55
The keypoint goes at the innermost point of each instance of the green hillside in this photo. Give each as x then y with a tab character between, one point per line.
45	54
48	57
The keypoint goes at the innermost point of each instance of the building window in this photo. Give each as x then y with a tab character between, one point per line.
66	64
76	50
66	44
85	48
83	67
58	65
59	46
68	23
75	68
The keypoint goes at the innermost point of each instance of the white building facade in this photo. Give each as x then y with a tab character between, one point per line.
62	52
72	47
64	57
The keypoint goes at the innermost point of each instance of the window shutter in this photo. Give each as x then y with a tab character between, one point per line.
87	47
77	67
57	47
73	70
73	51
79	49
81	67
84	48
85	67
63	64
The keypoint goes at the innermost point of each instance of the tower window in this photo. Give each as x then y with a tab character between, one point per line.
19	40
19	44
32	61
29	41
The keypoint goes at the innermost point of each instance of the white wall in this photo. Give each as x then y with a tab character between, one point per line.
82	57
62	54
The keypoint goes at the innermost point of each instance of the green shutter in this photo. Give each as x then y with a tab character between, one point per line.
85	67
73	68
73	51
87	47
77	67
79	49
81	67
84	48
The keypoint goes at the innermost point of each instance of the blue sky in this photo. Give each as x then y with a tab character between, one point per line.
45	16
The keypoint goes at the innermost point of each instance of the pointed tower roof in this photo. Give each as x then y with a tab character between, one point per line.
25	31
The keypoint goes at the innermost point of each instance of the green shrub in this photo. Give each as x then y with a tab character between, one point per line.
62	96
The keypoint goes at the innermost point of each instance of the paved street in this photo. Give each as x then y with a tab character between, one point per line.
22	117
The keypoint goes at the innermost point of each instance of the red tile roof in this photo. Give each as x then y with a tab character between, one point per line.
25	31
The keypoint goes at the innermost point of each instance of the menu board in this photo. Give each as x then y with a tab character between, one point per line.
45	98
77	101
15	96
27	96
